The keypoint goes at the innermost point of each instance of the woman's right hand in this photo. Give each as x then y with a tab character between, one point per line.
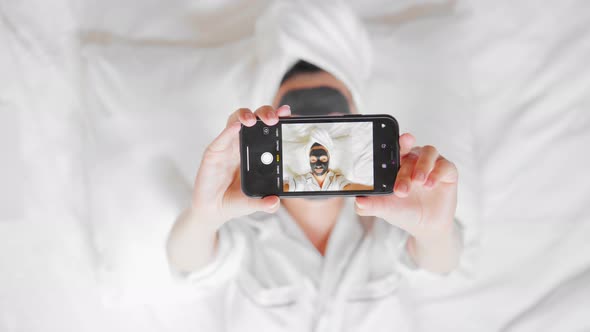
217	195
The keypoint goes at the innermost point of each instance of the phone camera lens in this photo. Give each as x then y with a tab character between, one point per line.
265	130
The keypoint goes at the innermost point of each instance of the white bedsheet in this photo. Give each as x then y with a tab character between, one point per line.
102	106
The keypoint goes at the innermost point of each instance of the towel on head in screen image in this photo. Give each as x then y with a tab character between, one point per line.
322	137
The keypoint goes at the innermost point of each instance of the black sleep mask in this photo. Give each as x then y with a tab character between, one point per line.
315	101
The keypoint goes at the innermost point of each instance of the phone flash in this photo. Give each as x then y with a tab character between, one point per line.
383	125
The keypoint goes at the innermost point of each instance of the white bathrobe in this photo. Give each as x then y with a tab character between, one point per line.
267	276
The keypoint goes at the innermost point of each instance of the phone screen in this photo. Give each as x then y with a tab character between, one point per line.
335	156
314	156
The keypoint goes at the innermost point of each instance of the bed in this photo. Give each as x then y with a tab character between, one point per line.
101	118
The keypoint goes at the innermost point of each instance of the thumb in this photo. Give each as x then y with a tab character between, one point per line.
370	206
392	209
269	204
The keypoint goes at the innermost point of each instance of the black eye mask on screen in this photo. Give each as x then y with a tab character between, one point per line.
315	101
319	164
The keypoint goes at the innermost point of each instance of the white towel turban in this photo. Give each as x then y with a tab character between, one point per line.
325	33
321	136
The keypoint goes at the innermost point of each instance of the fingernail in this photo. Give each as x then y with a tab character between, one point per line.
359	205
249	116
287	107
275	204
402	188
420	177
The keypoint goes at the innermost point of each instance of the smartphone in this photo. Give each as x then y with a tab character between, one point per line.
344	155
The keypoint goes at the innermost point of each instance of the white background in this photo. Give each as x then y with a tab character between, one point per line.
106	107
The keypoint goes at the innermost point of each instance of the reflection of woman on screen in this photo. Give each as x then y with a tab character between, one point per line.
321	177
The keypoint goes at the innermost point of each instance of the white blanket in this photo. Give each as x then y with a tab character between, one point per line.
110	108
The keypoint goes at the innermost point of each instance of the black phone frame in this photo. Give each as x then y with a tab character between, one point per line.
380	137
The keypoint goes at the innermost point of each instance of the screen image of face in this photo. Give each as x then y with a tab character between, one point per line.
336	156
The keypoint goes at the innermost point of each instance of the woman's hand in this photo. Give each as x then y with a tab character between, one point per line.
423	204
217	193
217	196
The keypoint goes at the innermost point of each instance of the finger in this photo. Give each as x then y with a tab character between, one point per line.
244	116
268	204
284	111
406	141
377	206
444	171
389	208
425	163
268	115
364	206
225	140
403	182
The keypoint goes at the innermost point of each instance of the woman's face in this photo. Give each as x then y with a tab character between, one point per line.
314	80
319	160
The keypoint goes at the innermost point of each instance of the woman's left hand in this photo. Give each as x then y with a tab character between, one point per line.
425	195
